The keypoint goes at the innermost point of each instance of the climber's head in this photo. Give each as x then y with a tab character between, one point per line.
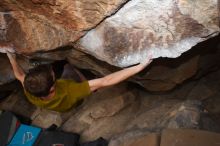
40	80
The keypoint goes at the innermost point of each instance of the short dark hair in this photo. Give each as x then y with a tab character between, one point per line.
39	80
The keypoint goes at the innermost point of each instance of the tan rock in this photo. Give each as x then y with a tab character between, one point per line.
45	25
184	137
148	140
29	32
44	118
118	109
18	104
100	113
136	138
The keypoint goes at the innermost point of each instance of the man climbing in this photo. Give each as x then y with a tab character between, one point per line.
43	90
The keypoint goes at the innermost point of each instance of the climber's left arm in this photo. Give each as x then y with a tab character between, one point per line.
117	77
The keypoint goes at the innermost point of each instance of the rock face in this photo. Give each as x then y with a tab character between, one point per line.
38	25
189	137
136	138
163	77
161	28
18	104
108	113
164	28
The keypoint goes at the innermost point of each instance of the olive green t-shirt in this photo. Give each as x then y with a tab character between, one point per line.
67	94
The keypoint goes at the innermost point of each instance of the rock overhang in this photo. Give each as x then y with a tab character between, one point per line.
161	28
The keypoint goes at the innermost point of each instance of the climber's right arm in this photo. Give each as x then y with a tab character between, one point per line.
18	71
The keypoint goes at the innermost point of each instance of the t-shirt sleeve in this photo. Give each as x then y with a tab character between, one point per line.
79	90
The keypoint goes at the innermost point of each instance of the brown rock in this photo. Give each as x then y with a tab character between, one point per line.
86	61
29	32
165	76
18	104
136	138
200	92
119	109
98	112
6	74
76	15
184	137
212	104
148	140
44	118
45	25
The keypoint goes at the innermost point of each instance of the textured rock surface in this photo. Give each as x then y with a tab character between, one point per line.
186	137
99	110
109	112
6	73
18	104
30	33
38	25
163	76
169	137
136	138
45	118
148	140
164	28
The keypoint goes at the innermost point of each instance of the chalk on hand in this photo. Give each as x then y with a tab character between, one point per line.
148	59
5	49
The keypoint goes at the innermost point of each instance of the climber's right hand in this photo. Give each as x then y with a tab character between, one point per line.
6	48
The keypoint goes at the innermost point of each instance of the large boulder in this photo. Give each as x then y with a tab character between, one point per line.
18	104
38	25
164	28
